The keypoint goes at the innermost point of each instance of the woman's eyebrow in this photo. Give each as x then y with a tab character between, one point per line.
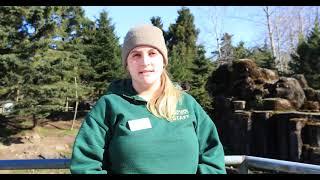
138	51
134	51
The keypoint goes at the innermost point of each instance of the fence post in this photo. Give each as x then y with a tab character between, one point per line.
243	168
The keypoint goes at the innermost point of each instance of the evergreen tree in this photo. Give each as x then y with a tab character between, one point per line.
40	64
30	33
226	50
182	38
261	55
55	65
104	53
201	70
295	64
306	60
240	51
13	36
156	21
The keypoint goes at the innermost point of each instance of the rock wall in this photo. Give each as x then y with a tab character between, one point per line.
293	136
261	114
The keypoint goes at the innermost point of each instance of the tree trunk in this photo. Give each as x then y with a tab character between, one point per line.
277	48
67	105
17	95
76	108
35	121
268	14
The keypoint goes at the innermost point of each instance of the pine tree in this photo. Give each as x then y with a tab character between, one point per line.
296	64
70	58
156	21
306	61
261	55
42	59
240	51
56	63
104	53
182	38
13	34
30	33
201	69
226	50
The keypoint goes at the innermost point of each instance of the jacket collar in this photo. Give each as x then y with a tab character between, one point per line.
125	89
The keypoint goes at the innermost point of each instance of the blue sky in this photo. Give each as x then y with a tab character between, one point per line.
236	21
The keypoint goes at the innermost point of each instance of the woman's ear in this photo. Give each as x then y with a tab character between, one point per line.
127	70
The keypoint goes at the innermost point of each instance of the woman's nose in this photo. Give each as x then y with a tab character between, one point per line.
146	59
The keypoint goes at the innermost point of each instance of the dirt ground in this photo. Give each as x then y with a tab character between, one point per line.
48	140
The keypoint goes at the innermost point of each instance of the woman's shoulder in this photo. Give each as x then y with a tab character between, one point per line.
187	98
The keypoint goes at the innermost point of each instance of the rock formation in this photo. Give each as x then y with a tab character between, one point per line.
259	113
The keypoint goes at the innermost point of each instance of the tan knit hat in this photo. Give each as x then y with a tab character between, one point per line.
144	35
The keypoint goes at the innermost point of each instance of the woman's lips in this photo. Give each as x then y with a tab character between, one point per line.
146	71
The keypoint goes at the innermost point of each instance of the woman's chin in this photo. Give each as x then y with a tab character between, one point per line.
148	81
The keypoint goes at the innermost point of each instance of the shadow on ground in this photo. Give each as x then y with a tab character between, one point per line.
10	126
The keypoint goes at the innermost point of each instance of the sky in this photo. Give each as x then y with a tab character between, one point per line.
237	21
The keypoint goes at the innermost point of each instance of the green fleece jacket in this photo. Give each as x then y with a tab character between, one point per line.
120	136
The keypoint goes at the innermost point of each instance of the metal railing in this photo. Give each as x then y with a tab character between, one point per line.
243	164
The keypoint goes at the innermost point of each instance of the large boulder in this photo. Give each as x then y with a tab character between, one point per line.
302	80
276	104
311	106
269	76
312	94
241	79
290	89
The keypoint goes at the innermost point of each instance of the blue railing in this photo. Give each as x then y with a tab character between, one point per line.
242	163
34	164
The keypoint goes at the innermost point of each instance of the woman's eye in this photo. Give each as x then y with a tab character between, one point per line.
135	55
152	53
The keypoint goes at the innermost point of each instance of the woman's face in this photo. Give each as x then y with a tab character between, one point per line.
145	65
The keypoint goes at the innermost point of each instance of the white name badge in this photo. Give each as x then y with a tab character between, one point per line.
138	124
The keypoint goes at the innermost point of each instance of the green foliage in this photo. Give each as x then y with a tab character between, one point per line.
181	39
156	21
43	50
101	46
187	61
200	73
241	52
306	60
261	55
226	50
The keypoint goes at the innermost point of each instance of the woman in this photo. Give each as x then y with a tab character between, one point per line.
145	124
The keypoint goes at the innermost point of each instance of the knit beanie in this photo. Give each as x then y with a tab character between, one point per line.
144	35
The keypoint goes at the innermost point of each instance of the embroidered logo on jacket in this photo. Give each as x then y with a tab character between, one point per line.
182	114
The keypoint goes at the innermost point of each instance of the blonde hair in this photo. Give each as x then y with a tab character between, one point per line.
164	103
